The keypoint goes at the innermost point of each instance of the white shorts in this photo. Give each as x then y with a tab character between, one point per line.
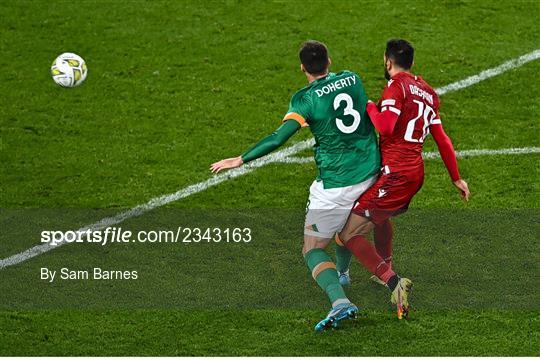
328	209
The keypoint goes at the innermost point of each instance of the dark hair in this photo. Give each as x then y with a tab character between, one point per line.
314	57
401	52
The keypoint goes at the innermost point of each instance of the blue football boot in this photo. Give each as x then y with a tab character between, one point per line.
337	314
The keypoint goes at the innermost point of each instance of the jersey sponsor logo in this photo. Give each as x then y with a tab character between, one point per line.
415	90
336	85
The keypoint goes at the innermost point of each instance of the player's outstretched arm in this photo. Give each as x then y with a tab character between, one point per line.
448	155
261	148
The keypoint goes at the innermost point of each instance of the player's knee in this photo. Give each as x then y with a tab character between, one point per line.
312	242
360	229
306	248
344	236
364	228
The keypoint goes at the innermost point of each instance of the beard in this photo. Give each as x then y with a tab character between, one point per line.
386	74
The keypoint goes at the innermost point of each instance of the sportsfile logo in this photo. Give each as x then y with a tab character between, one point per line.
109	235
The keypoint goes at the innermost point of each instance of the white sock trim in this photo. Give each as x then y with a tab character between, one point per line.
340	301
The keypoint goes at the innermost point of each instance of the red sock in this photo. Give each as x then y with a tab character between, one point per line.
383	234
366	253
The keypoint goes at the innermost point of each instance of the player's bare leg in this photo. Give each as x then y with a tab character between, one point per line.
323	270
354	236
313	242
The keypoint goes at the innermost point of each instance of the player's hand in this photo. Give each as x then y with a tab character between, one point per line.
371	103
226	164
463	188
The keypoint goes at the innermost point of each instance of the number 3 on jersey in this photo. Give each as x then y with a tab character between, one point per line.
428	115
349	110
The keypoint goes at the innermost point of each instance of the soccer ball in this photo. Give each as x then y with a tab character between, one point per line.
69	70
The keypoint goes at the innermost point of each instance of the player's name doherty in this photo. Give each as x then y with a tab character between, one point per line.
421	93
336	85
94	274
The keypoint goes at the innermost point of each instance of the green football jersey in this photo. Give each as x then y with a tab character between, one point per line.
334	108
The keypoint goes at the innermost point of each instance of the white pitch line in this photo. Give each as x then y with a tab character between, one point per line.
433	155
272	158
484	75
476	153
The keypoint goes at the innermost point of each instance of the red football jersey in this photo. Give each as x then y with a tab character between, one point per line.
417	107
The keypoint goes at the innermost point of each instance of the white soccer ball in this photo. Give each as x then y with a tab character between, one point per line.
69	70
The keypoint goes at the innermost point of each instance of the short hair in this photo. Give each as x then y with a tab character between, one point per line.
314	56
401	52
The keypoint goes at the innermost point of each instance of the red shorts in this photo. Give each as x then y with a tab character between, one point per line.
390	195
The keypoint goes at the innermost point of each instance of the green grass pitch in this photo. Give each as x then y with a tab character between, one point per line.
174	86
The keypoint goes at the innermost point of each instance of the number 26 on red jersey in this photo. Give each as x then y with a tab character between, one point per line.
427	116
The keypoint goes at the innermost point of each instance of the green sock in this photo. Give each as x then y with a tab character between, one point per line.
323	270
343	258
